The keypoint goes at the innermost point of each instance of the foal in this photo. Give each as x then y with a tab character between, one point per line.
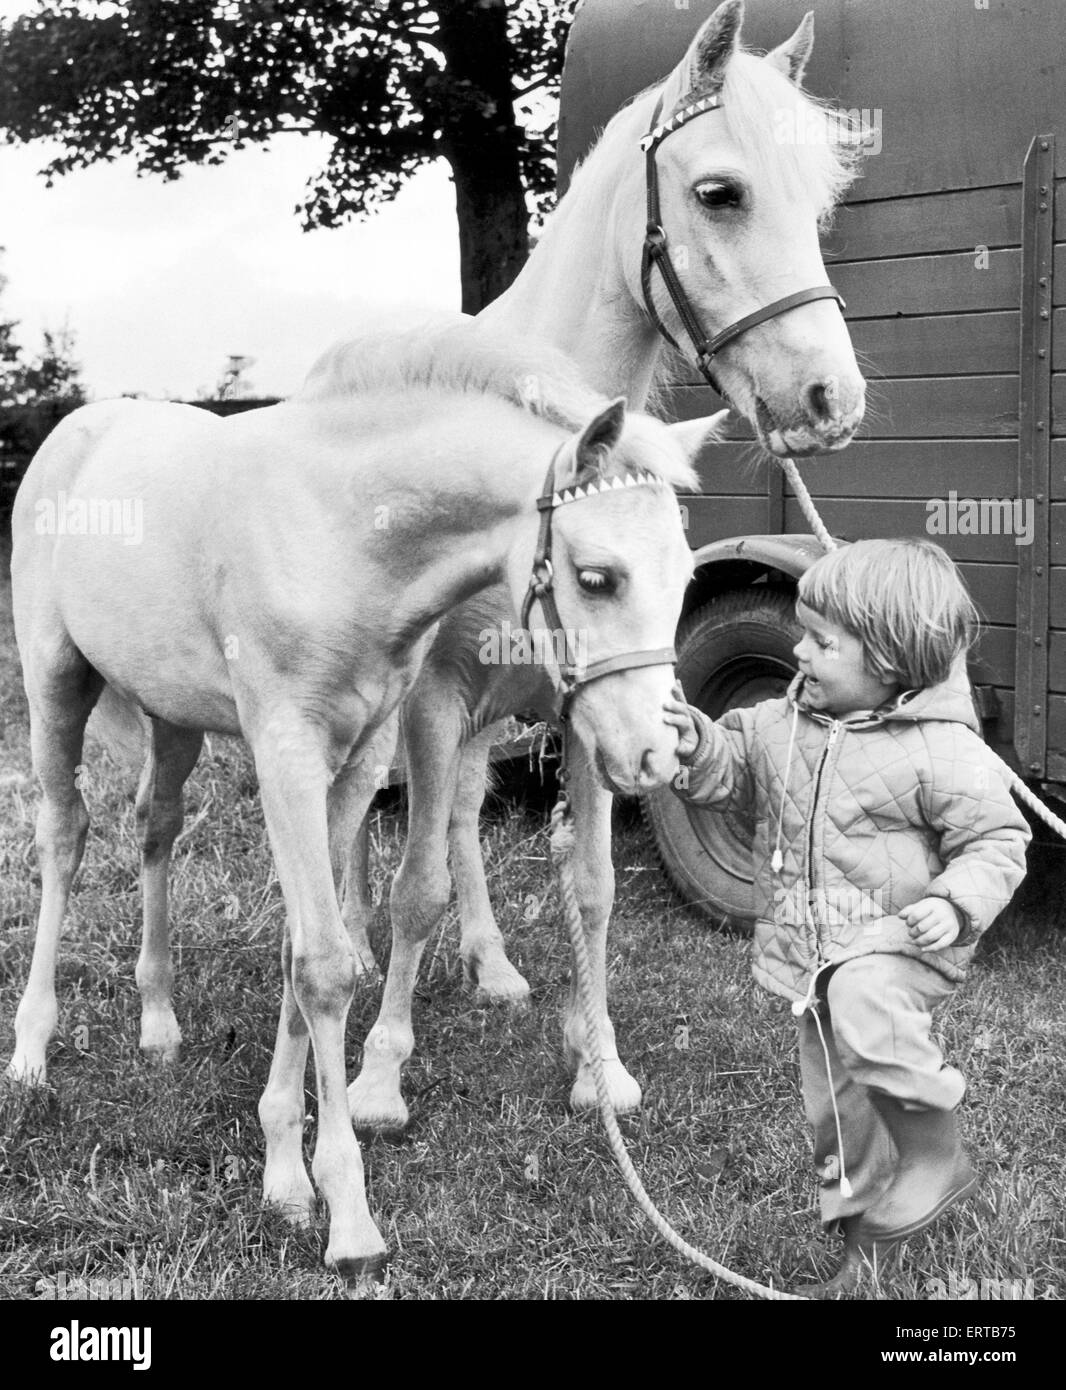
293	566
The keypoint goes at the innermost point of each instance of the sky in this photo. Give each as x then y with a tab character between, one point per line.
160	282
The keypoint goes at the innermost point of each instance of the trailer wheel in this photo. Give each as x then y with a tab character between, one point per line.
734	651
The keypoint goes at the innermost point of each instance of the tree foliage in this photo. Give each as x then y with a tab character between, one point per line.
52	375
394	84
35	393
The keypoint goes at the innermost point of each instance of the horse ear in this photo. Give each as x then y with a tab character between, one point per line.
692	435
791	56
716	42
595	441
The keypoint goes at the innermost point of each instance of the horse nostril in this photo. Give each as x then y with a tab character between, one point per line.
823	401
648	763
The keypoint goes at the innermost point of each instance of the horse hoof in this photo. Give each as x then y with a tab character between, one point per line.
496	981
624	1091
363	1268
294	1204
160	1039
22	1073
381	1115
293	1214
516	1002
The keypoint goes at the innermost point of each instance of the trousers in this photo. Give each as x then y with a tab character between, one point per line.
875	1017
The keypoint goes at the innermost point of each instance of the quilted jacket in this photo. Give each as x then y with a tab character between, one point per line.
867	814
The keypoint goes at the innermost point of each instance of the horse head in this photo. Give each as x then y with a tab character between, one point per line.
746	168
609	576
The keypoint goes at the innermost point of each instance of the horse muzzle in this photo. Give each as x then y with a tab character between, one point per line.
824	420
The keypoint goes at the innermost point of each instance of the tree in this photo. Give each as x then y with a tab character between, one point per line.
10	353
394	83
53	375
34	396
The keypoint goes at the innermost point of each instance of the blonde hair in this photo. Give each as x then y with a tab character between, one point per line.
905	602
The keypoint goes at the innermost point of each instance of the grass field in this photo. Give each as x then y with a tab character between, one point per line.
120	1171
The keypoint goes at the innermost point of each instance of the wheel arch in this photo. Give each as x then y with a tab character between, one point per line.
740	562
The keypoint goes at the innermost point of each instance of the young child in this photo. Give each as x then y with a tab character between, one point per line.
886	841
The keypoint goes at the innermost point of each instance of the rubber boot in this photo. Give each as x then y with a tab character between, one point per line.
850	1274
933	1172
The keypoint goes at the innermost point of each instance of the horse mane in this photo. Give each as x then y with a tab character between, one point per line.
807	146
456	353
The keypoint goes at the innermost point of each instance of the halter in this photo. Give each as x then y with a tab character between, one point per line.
572	676
655	253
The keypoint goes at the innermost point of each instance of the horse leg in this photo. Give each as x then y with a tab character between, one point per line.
281	1107
594	882
349	837
419	897
172	756
321	974
61	688
485	962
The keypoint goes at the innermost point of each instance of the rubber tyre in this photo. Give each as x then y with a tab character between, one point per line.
734	651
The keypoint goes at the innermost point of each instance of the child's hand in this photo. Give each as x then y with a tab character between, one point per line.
933	922
677	713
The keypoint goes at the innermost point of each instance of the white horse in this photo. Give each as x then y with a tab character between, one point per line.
292	566
745	206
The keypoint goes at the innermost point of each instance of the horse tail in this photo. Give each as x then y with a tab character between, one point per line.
121	727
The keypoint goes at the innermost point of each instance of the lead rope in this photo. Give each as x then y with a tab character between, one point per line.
562	848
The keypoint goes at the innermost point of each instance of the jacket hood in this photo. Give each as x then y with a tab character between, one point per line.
951	700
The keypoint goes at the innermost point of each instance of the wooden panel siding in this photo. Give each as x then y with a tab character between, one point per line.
1058	403
714	518
1058	598
938	345
958	124
854	518
992	662
890	468
994	590
1058	469
934	222
904	408
1058	340
930	345
1058	533
915	407
921	284
1056	730
1057	662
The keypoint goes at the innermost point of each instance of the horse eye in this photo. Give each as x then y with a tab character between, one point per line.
594	581
714	194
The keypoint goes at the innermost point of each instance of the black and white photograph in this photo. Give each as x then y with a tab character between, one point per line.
533	663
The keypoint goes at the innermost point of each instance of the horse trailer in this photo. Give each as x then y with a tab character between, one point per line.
954	276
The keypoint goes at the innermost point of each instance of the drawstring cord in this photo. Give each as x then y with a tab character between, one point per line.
799	1008
777	859
845	1185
